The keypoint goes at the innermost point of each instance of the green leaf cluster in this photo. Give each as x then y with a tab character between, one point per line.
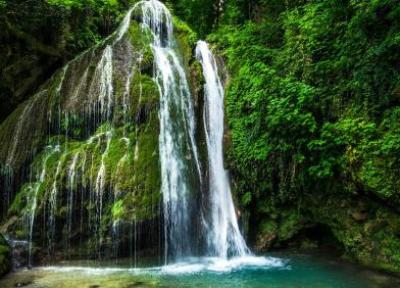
313	100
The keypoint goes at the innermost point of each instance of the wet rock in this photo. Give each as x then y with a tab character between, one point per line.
359	216
359	213
308	244
265	242
20	252
5	256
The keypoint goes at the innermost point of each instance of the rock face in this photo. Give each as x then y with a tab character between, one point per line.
361	230
5	257
39	38
80	160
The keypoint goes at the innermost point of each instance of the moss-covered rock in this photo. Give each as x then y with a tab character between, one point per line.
40	38
363	230
5	257
368	231
276	226
95	176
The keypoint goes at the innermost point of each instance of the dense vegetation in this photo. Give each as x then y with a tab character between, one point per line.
313	111
317	91
312	101
313	108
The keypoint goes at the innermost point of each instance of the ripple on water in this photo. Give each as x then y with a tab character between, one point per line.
253	272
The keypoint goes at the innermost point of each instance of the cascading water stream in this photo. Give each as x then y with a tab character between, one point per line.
7	169
18	129
176	140
70	201
53	205
32	213
85	173
223	235
100	191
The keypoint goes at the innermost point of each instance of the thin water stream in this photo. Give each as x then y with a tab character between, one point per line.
223	234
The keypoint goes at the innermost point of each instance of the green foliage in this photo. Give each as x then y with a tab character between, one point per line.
201	15
270	116
314	97
313	110
118	209
184	33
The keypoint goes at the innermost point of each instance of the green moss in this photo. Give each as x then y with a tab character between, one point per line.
20	202
5	257
123	177
129	150
278	225
140	39
367	232
116	151
144	92
184	33
186	41
371	240
147	172
118	210
290	224
147	58
197	71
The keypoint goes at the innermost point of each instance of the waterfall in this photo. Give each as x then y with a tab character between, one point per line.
177	127
100	190
102	86
70	201
18	130
223	235
32	211
108	147
7	169
53	203
7	177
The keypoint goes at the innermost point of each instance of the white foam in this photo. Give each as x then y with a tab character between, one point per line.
213	264
188	266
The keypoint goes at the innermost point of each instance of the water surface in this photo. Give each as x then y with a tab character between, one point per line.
282	270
